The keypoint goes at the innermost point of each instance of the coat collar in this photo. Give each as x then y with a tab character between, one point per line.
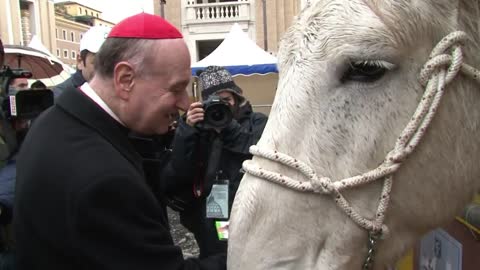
85	110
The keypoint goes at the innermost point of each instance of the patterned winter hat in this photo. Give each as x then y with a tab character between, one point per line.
214	78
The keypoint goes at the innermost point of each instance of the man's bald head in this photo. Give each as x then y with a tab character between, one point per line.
132	40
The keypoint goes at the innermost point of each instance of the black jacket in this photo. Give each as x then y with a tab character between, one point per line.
187	171
82	201
75	81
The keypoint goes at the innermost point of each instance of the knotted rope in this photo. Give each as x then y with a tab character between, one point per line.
444	64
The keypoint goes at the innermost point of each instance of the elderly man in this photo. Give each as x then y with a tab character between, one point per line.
82	200
89	46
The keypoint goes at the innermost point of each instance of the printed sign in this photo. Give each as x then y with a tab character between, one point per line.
217	201
440	251
13	106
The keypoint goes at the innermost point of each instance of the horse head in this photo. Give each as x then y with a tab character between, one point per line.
385	143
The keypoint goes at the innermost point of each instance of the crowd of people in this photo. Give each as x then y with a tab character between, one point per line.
91	180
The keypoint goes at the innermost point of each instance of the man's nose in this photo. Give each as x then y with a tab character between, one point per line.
183	102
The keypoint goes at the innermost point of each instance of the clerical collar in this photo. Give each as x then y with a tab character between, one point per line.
88	90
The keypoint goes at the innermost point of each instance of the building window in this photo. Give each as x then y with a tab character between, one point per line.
86	12
64	34
80	10
91	13
58	52
72	36
56	32
74	54
65	54
81	36
97	15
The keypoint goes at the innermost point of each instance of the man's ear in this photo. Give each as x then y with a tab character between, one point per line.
80	64
123	79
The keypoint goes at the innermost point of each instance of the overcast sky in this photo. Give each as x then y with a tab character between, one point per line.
116	10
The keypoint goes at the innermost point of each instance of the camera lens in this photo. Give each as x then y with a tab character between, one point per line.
218	115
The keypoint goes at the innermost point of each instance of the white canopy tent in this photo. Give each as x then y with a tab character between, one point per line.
240	55
255	70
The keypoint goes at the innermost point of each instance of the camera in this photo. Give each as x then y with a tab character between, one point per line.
218	114
22	104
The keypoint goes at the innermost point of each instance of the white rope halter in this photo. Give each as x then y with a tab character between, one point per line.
445	62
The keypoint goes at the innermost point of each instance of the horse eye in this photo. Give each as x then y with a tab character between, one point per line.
366	71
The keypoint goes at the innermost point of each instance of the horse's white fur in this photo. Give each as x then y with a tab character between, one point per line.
346	128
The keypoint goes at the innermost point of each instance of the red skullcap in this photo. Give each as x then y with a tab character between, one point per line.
145	26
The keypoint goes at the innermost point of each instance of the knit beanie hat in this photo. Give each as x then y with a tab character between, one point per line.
214	78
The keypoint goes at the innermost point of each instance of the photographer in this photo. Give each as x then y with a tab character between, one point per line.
18	128
6	191
209	158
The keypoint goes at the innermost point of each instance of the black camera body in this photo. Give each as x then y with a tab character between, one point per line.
218	114
22	104
27	104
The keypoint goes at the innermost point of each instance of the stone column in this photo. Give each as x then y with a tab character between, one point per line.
25	19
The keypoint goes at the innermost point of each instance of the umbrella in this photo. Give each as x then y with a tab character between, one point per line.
39	63
36	43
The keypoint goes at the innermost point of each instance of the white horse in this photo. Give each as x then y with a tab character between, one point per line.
352	74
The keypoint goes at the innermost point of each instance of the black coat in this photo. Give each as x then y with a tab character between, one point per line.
188	165
82	201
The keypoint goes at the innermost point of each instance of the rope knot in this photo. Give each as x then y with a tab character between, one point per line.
447	56
384	231
321	185
393	157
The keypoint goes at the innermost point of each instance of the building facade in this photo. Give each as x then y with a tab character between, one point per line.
68	35
82	14
204	23
59	26
72	20
20	20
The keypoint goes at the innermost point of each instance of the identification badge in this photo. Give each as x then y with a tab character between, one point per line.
217	201
222	230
